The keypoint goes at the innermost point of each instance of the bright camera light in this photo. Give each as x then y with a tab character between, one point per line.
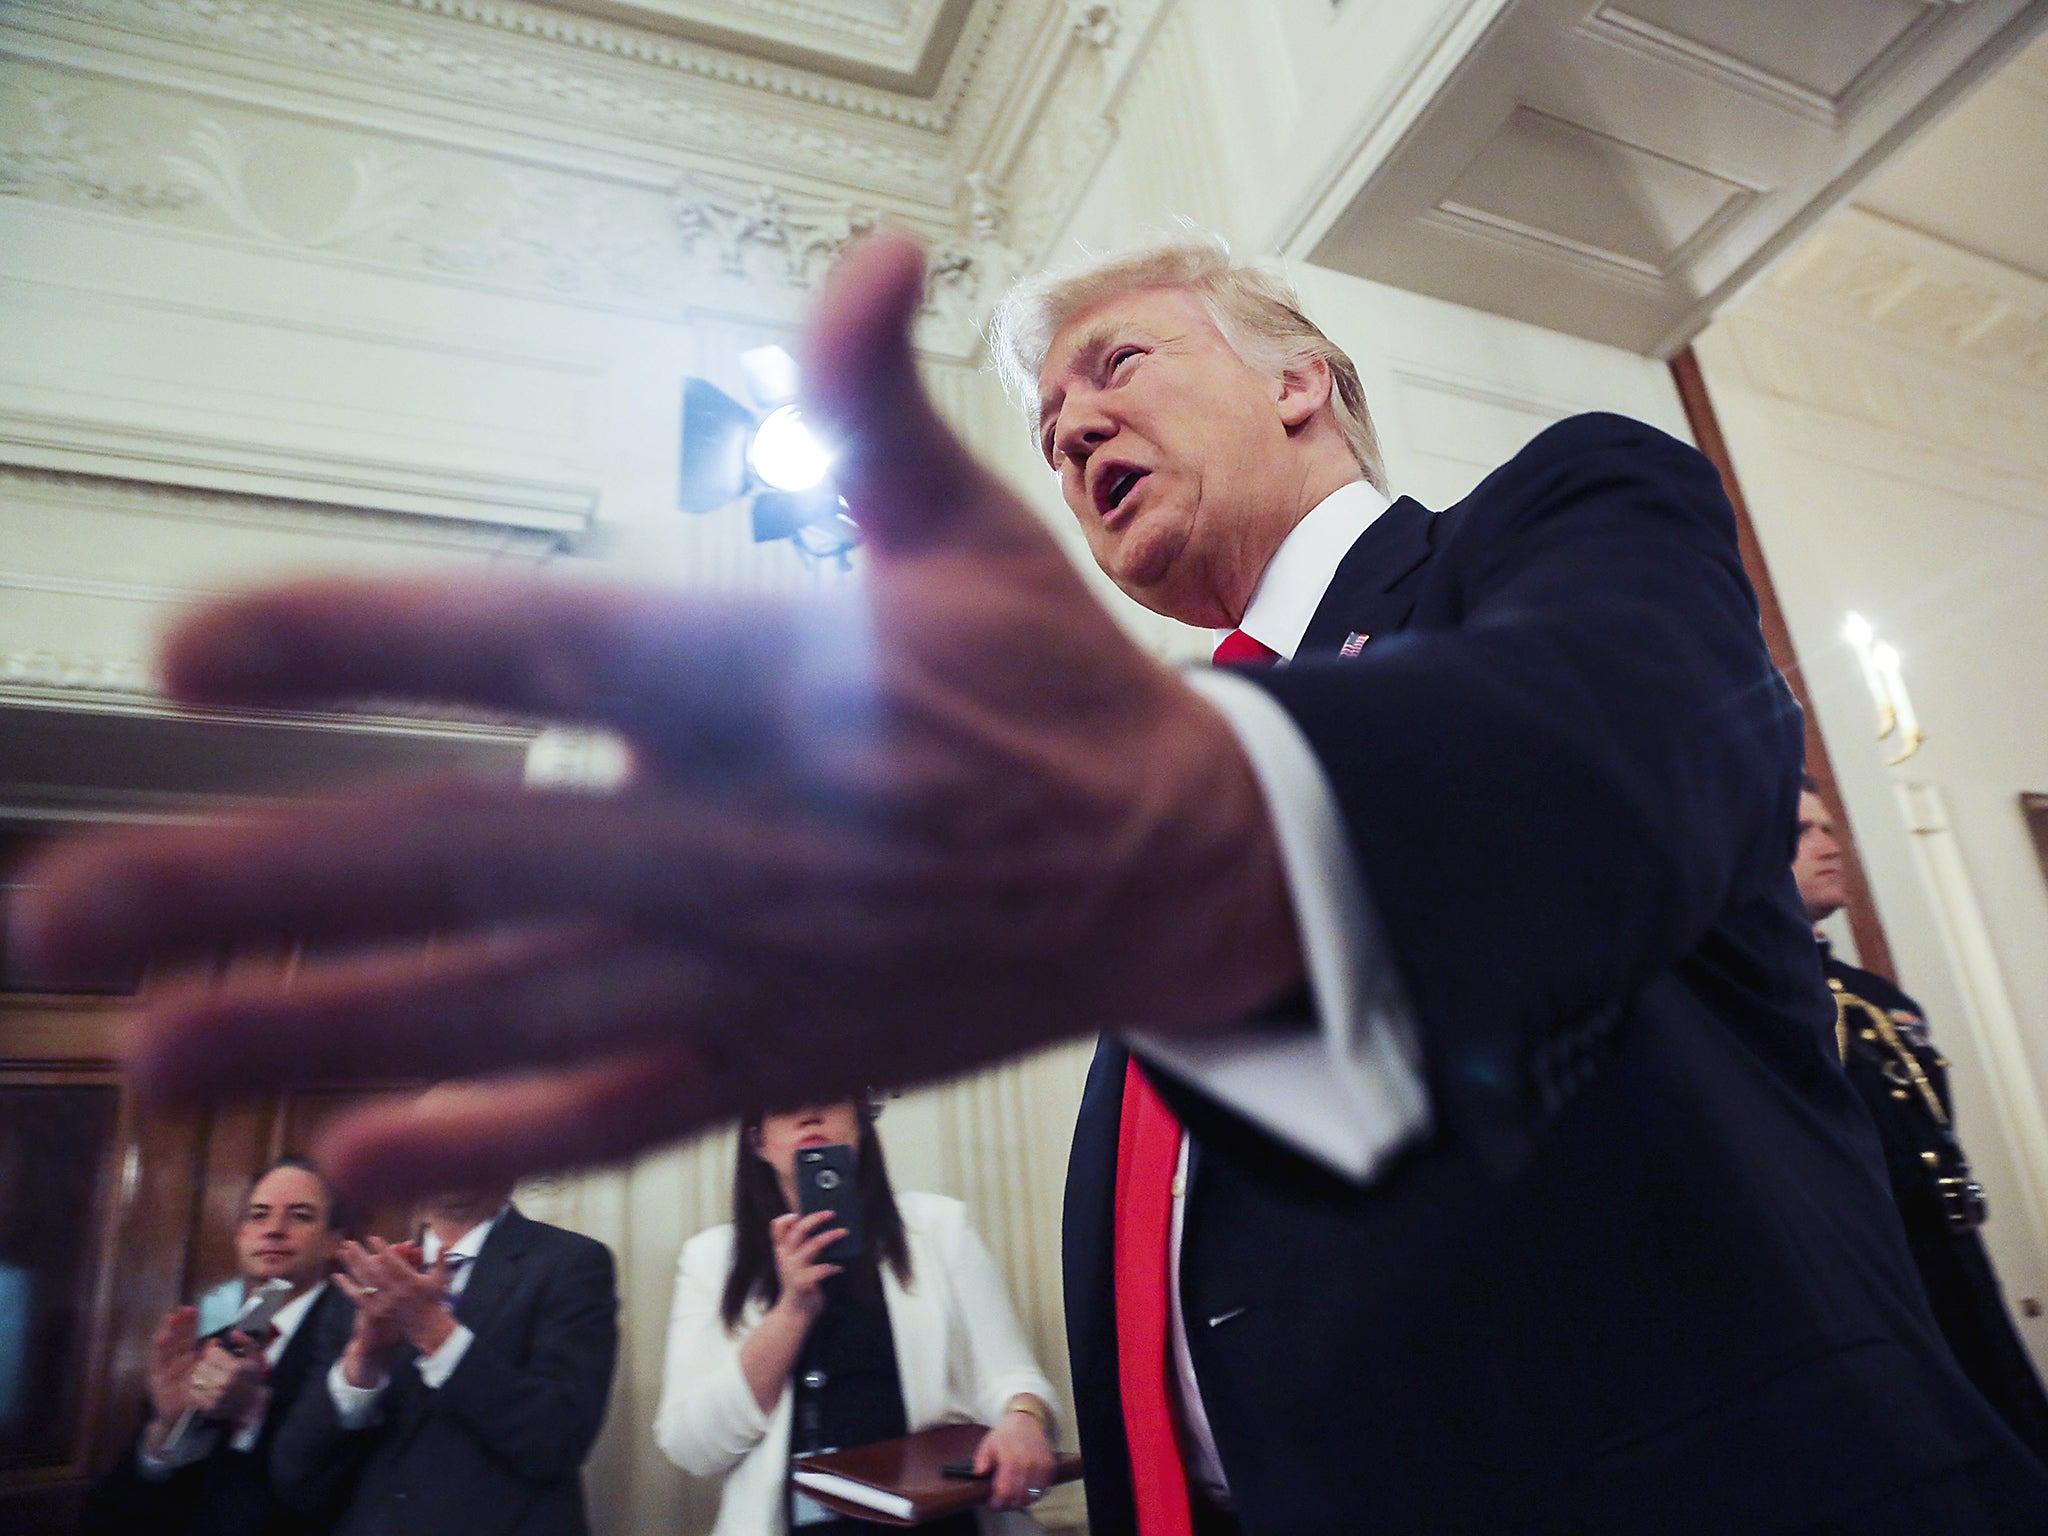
1857	630
785	454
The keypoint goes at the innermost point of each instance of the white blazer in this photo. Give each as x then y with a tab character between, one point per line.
959	1351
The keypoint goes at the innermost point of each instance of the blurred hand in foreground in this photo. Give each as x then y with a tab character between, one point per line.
877	836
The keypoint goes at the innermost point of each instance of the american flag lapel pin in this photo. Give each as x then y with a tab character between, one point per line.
1353	644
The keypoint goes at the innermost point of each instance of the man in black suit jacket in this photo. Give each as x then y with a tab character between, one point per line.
212	1476
1636	1270
1587	1234
473	1384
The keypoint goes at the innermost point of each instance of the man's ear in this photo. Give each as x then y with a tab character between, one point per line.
1303	390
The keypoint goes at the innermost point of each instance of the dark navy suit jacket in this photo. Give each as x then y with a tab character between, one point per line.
228	1492
1645	1276
499	1447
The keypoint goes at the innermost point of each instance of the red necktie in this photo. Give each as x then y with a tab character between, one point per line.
1239	649
1147	1154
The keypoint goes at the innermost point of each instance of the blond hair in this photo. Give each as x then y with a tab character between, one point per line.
1256	311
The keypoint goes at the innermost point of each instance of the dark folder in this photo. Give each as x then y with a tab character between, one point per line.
902	1482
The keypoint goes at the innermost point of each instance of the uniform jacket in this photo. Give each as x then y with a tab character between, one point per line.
1645	1275
499	1447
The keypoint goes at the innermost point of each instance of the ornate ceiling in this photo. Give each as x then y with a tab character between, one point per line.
625	149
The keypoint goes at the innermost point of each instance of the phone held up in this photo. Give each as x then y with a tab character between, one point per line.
824	1182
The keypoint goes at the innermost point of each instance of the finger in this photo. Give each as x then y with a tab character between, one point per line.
985	1455
902	470
533	999
509	1127
808	1253
534	644
392	862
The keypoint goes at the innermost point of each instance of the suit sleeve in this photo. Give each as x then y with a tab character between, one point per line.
537	1412
313	1459
1551	799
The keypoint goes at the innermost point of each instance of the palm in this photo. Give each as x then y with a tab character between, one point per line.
877	839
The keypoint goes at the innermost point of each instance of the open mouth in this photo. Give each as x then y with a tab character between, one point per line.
1115	488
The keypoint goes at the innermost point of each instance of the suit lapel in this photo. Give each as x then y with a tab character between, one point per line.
491	1279
1363	599
496	1270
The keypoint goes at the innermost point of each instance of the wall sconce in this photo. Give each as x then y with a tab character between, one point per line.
1887	685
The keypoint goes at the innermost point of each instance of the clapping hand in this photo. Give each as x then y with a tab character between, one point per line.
397	1299
230	1384
878	834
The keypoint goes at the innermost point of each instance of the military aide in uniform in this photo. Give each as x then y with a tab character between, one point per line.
1892	1060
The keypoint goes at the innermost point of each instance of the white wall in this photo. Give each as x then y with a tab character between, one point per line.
1889	423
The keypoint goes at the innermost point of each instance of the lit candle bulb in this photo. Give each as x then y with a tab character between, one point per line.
1886	659
1857	631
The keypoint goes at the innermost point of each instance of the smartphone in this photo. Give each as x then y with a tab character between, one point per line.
261	1304
824	1182
961	1469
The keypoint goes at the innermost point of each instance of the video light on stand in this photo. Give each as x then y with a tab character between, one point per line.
766	453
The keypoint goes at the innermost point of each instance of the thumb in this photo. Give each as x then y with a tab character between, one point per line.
904	474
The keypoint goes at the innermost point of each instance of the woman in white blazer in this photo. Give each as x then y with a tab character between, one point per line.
754	1301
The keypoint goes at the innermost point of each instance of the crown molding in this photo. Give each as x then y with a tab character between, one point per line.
1908	289
480	163
1940	355
158	499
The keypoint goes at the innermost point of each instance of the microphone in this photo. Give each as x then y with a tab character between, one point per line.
259	1306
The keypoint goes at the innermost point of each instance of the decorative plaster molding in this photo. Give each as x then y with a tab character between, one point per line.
161	499
533	80
1929	344
585	32
75	676
59	153
416	193
1095	22
127	684
757	235
1968	311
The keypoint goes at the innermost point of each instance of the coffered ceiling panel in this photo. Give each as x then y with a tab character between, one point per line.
1579	193
1617	170
898	45
1817	51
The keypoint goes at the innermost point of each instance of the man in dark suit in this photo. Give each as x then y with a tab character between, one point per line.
473	1384
1633	1272
201	1464
1529	1200
1892	1061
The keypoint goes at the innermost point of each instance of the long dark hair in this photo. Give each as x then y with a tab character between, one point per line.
757	1200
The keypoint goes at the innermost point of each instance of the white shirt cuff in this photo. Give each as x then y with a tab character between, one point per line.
435	1369
1349	1091
194	1445
354	1407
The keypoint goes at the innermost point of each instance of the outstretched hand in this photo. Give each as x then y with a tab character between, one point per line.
934	819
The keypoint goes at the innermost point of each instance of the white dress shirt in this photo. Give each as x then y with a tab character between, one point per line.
356	1407
1349	1092
195	1444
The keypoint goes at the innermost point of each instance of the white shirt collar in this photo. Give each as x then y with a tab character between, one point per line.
1295	579
469	1245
